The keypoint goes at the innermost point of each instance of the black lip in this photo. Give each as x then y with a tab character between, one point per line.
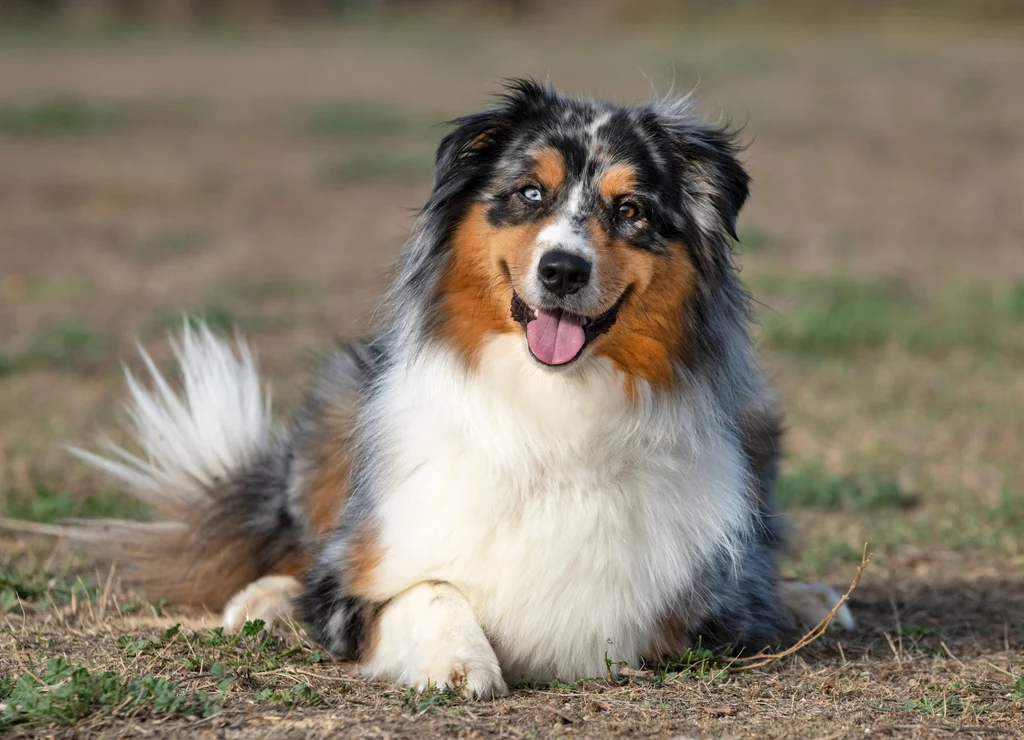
592	328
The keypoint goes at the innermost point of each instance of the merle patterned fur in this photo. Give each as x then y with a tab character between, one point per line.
693	188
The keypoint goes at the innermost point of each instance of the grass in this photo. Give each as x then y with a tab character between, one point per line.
64	693
220	317
67	345
756	241
415	702
59	290
944	706
42	588
269	289
903	392
355	120
209	668
695	664
48	505
373	167
174	243
839	315
58	116
811	487
250	306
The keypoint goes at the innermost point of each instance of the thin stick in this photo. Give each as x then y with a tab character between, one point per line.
762	659
17	525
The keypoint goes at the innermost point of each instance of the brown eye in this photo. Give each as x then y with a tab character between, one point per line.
628	211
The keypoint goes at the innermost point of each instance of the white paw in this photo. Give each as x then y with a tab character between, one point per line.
428	636
471	670
270	598
812	602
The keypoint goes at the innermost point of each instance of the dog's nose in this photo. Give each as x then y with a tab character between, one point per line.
563	273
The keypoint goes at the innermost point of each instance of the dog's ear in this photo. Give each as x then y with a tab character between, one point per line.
715	182
464	154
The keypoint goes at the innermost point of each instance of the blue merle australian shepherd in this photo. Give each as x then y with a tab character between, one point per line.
557	453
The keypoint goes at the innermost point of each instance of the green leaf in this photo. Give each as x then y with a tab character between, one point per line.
253	628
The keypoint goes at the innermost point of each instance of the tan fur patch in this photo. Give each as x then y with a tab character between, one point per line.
549	169
477	295
327	490
619	180
364	555
649	333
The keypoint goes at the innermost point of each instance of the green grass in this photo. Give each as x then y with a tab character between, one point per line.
696	664
811	487
250	306
250	651
41	588
823	556
302	694
9	364
64	693
174	243
919	630
836	316
373	167
58	116
48	505
59	290
425	702
67	344
355	120
944	706
756	240
221	318
270	289
63	346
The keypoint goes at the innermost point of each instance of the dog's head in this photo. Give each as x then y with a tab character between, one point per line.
588	228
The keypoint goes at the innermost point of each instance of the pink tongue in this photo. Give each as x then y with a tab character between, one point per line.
554	337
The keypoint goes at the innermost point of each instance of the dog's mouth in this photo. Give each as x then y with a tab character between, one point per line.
557	337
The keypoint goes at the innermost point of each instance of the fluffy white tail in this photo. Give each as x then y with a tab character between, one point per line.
196	439
209	464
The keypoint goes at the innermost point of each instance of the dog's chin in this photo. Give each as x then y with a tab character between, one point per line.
557	338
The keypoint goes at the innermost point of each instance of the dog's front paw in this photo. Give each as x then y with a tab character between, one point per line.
428	636
471	670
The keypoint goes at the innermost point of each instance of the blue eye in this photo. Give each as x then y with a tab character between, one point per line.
532	193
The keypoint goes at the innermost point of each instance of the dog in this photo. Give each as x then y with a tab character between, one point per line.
555	458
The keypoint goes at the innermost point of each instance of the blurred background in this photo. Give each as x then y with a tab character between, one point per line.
259	163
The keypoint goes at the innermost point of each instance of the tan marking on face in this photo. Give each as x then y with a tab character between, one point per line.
363	558
620	179
477	295
549	169
649	333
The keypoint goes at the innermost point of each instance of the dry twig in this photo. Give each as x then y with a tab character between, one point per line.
762	658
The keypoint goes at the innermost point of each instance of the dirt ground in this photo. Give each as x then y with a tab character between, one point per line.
267	181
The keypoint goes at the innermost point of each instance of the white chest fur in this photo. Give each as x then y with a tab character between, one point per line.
570	516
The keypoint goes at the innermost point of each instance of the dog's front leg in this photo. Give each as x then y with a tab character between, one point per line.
429	636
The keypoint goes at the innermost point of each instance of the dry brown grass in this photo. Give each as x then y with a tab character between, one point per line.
187	174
